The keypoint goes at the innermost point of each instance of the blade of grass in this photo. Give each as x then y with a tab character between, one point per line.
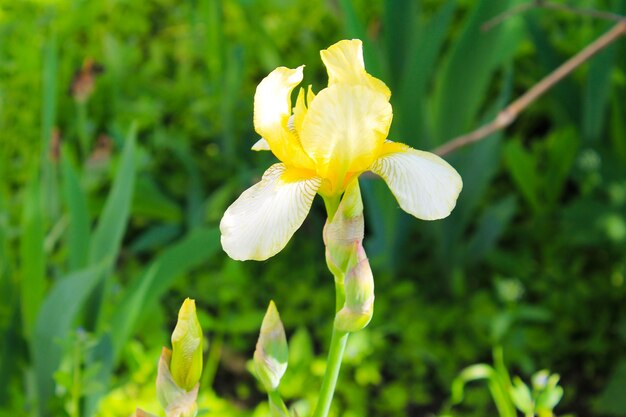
141	296
422	53
597	88
565	95
48	119
54	321
108	234
386	220
78	236
399	19
146	289
467	72
10	307
596	93
107	237
32	254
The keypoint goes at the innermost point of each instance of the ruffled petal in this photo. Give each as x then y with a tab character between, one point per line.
344	63
344	129
272	110
425	185
261	221
272	100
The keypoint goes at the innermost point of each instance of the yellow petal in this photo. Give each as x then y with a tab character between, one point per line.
272	109
310	95
344	63
425	185
262	220
344	130
299	111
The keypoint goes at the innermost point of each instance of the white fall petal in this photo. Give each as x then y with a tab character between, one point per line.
261	145
261	221
425	185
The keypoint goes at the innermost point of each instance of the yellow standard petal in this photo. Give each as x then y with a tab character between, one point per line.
425	185
272	109
344	130
261	221
345	65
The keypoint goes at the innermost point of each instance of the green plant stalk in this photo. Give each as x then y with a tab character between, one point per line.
212	362
76	379
501	399
501	385
278	402
335	355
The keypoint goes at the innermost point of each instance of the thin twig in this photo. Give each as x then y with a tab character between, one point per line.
598	14
510	113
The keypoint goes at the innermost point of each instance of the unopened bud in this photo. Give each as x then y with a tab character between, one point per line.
271	354
358	308
344	232
186	365
176	401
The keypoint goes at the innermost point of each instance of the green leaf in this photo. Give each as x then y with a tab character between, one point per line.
422	53
54	321
612	401
471	373
399	20
596	93
150	201
522	167
78	236
521	396
564	96
467	71
490	227
149	286
32	254
107	237
562	148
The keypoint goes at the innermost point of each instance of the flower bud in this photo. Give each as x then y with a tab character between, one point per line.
344	232
358	308
271	354
176	401
186	364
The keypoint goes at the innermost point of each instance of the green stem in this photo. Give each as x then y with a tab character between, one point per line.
332	204
76	378
335	355
276	401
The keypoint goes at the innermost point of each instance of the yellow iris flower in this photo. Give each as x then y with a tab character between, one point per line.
325	142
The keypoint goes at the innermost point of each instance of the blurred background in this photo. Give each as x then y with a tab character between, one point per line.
125	132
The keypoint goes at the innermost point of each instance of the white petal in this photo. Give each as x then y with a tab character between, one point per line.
261	145
262	220
425	185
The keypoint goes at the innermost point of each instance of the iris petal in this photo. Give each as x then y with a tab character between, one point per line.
425	185
261	145
261	221
272	109
344	130
345	65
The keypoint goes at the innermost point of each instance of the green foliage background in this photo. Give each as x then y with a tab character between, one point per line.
109	207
